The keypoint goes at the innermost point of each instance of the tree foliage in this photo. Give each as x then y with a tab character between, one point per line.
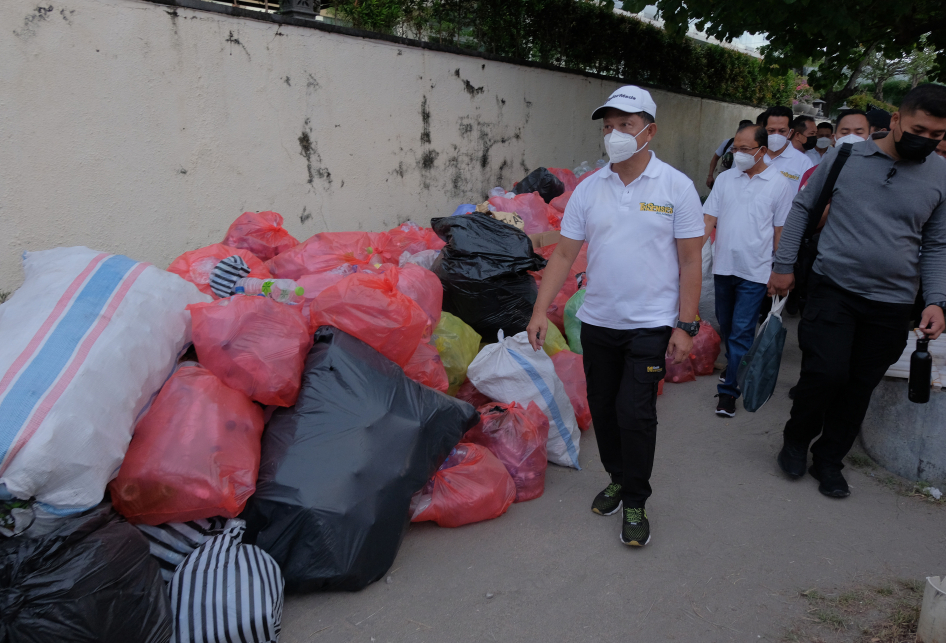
842	34
582	35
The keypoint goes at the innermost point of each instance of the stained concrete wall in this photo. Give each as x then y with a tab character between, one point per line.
144	129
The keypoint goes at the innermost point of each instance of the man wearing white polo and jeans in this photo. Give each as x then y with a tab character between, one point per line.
643	223
781	154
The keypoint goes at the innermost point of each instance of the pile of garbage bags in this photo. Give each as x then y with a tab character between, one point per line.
275	410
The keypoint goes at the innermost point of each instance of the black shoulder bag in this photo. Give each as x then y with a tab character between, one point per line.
808	249
727	154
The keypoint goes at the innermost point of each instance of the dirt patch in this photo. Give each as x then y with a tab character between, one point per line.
886	611
860	461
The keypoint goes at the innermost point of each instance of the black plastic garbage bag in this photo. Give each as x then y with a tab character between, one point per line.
542	181
758	370
484	271
339	468
90	580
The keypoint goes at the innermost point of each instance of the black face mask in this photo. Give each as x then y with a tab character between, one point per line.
915	148
809	143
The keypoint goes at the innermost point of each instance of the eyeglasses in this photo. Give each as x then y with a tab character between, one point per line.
746	150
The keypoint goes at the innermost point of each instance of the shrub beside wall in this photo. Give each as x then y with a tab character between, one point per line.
577	34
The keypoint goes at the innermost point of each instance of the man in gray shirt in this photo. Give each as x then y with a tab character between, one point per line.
889	200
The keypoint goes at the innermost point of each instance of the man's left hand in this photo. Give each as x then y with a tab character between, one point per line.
681	344
932	314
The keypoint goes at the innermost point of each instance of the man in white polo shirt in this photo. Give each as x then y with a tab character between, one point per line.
747	206
643	223
781	153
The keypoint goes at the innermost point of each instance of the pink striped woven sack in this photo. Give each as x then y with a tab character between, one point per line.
88	340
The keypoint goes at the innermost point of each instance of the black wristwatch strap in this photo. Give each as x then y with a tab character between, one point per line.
691	328
941	304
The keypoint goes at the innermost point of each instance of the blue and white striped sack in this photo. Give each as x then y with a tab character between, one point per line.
88	340
510	371
227	591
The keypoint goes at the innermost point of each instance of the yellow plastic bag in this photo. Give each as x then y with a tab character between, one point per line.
554	340
457	344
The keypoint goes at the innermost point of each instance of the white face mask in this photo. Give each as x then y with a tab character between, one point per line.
850	138
621	146
743	161
823	143
776	142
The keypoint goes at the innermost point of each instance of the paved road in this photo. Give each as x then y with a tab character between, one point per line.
733	543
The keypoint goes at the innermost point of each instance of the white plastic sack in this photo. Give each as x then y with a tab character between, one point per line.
227	591
510	371
88	340
708	288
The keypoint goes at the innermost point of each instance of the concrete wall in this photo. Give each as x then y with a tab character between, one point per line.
142	129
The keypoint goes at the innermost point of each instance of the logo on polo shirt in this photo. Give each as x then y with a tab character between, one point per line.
655	369
793	177
653	207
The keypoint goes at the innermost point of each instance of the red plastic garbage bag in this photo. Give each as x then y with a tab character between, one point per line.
195	453
566	176
470	395
587	175
705	349
560	202
410	237
679	373
516	436
530	207
423	287
556	310
261	233
196	265
570	369
315	283
371	308
254	345
327	250
425	367
471	485
554	217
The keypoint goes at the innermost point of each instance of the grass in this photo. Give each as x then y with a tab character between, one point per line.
887	612
865	464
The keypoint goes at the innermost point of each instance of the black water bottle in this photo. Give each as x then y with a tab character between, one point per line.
921	369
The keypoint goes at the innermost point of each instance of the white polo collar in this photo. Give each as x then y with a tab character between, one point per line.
767	173
653	169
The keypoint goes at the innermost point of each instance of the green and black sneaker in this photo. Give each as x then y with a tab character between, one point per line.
608	502
635	531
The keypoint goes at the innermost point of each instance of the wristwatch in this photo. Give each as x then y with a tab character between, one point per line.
941	304
692	328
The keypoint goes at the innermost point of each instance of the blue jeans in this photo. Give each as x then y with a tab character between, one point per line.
738	302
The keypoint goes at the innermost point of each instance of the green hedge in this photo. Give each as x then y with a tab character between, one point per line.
580	35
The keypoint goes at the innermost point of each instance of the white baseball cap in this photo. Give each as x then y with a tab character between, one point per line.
628	99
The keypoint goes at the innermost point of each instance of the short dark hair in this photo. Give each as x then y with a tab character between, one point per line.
928	97
779	111
744	123
799	123
849	112
879	118
647	117
826	125
760	119
760	135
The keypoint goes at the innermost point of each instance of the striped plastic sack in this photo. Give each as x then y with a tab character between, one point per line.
171	542
510	371
227	591
88	341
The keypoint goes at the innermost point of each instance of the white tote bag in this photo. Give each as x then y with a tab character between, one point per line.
510	371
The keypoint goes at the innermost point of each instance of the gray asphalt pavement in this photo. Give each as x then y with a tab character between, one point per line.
733	543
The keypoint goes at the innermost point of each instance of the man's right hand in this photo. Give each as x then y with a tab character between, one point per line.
710	181
538	326
780	284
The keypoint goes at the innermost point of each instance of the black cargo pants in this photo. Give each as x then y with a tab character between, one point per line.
623	369
848	342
